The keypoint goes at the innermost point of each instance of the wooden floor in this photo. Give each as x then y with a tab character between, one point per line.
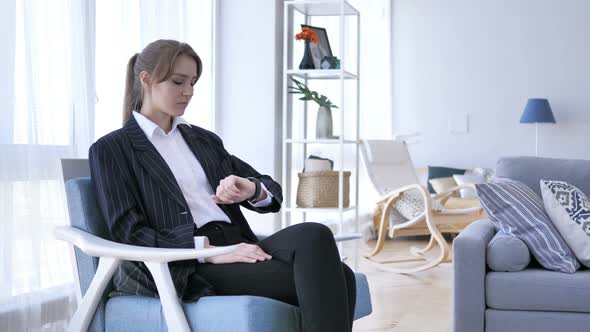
408	303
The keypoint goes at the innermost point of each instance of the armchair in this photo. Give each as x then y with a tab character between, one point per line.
392	173
97	259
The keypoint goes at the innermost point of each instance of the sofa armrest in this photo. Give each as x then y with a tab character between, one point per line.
469	271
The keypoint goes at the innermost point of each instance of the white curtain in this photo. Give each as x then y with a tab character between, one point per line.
45	118
125	27
48	96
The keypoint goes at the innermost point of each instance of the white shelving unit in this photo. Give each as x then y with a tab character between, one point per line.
342	11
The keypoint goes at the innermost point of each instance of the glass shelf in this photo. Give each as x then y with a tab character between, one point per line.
320	141
320	210
326	74
322	8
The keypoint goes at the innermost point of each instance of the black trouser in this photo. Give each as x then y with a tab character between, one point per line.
305	270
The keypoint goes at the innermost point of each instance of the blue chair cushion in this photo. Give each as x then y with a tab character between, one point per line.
213	313
507	253
218	313
539	290
363	297
86	215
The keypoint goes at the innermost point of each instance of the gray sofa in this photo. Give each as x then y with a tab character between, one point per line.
533	299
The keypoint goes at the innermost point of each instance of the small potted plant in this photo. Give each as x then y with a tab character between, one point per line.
308	35
324	118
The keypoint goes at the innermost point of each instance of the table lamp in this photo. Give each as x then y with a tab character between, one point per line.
537	110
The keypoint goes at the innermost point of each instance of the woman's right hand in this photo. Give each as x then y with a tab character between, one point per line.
244	253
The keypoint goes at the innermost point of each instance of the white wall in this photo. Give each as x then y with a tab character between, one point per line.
486	58
248	88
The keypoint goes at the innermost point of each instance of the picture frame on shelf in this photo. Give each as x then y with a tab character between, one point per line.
321	49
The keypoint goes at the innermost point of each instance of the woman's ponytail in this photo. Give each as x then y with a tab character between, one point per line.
132	99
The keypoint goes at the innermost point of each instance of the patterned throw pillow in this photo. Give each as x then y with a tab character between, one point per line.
516	209
569	209
410	204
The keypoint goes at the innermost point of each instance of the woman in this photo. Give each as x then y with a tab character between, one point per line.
162	182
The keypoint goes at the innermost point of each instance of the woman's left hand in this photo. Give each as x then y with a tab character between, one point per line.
233	189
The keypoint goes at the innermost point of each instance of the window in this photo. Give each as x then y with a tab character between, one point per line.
123	28
42	85
47	81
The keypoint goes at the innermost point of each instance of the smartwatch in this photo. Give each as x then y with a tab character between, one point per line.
256	191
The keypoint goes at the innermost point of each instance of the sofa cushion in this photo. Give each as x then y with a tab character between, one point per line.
569	209
530	170
537	321
507	253
515	209
538	289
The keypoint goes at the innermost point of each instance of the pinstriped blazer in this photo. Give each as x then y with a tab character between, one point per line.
143	204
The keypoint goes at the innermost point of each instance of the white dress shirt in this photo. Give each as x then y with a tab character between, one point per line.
189	174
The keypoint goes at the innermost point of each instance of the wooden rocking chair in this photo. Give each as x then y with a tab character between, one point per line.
392	173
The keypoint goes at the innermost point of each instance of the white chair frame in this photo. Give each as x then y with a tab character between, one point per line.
437	222
429	222
110	256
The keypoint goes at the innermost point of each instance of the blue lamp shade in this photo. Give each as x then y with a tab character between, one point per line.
537	110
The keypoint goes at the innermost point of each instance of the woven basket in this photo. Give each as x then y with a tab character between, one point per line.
320	189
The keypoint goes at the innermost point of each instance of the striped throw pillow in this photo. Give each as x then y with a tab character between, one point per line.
516	209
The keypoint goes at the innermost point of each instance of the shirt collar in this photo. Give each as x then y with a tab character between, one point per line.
149	127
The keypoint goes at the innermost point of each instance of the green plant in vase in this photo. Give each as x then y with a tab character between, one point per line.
324	118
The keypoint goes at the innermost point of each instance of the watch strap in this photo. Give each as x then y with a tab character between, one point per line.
256	182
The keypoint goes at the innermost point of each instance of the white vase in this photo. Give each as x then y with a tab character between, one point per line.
323	126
